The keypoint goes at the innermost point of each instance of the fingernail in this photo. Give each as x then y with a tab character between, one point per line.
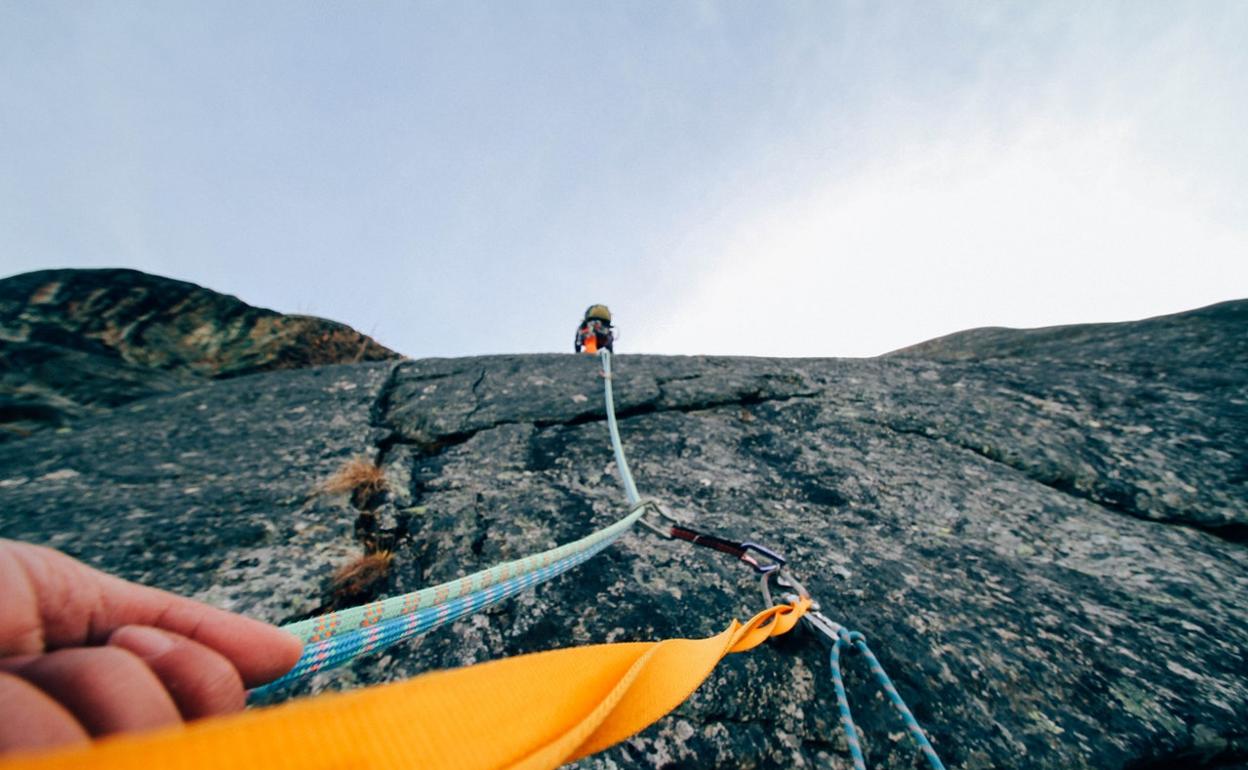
142	641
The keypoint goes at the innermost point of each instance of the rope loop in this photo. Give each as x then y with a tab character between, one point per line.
839	638
855	641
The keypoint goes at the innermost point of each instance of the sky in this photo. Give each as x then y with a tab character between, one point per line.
776	179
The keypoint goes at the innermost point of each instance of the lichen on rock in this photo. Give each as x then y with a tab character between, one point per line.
1047	555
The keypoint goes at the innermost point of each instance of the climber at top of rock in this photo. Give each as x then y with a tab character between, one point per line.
595	331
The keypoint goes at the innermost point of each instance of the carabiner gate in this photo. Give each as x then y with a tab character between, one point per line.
777	561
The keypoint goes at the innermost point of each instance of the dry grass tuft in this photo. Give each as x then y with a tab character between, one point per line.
363	577
361	478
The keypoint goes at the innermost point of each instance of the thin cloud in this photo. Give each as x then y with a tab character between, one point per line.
1054	223
1055	166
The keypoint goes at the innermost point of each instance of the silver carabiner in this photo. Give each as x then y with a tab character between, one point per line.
784	579
828	629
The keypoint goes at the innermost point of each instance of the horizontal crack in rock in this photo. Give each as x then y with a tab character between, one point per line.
440	443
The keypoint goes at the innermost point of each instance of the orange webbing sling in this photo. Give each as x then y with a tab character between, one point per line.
531	711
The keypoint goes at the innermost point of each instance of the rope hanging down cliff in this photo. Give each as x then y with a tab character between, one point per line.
493	715
338	637
500	714
773	565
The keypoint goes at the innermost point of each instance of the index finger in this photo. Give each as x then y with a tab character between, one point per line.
55	601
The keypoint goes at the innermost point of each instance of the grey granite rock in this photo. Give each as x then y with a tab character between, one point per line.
1047	555
75	343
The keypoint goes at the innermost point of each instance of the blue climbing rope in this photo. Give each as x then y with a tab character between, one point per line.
837	637
338	637
851	640
337	650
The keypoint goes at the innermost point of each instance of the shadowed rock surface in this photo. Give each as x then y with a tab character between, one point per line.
79	342
1047	555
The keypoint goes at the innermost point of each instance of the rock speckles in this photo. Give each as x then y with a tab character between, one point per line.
1047	555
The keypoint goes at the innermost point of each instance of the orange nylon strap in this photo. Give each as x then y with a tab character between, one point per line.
527	712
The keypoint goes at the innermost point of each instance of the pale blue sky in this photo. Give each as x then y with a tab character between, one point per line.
461	178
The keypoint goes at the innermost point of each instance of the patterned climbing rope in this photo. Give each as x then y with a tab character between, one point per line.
850	640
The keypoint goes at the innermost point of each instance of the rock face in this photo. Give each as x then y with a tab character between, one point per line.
1196	343
1047	554
79	342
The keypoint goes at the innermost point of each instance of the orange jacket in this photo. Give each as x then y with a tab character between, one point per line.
594	335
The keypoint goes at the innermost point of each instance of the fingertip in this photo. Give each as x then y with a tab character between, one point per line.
281	652
291	648
261	652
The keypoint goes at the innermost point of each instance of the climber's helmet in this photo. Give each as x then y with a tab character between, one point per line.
598	312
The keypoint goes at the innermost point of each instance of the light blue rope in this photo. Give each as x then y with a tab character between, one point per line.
393	624
337	650
853	639
621	462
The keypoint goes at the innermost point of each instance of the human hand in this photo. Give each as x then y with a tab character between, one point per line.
84	654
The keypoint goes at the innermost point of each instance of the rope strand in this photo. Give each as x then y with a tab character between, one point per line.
339	637
851	640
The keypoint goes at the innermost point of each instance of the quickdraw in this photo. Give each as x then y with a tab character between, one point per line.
337	638
836	636
839	638
747	552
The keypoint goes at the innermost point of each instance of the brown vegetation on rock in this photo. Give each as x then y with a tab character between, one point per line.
360	580
359	477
